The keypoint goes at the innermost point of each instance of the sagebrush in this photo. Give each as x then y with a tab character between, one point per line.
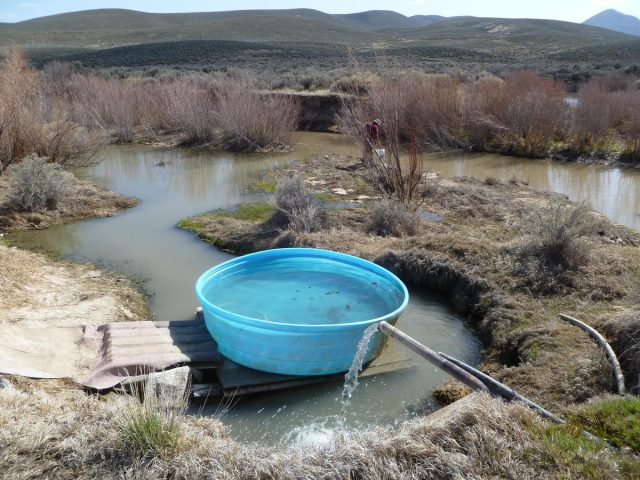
36	184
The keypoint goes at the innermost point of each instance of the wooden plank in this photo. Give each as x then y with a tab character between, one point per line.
238	380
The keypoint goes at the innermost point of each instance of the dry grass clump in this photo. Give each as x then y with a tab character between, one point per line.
390	217
555	243
152	427
297	208
35	184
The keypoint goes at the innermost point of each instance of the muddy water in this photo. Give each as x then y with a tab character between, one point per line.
613	191
176	183
171	184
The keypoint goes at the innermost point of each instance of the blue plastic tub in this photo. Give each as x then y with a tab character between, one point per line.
298	311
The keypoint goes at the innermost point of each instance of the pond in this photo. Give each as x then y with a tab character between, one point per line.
176	183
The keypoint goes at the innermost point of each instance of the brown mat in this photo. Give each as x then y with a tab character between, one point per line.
101	357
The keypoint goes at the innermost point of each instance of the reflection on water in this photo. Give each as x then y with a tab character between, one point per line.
613	191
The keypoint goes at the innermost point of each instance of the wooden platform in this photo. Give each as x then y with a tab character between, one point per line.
236	380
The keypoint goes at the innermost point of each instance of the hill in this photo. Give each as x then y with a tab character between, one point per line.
114	27
302	39
384	19
617	21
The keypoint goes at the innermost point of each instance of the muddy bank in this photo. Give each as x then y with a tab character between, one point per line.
318	110
467	256
86	200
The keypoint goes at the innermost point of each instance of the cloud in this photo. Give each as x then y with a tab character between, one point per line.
30	5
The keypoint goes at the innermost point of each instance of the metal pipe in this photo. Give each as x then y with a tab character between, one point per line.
433	357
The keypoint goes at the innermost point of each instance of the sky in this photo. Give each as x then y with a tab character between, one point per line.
570	10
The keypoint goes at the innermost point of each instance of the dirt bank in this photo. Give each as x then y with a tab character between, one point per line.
86	200
463	249
37	291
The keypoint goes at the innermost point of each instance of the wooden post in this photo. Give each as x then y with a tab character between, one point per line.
428	354
611	355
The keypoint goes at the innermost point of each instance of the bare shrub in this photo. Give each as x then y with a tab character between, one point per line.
190	107
592	119
394	175
435	111
298	209
21	109
35	184
555	242
252	121
628	123
524	114
34	119
391	218
107	103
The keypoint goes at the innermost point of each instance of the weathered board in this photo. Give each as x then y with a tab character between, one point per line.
238	380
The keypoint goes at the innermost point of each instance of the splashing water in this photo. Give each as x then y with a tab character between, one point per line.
351	378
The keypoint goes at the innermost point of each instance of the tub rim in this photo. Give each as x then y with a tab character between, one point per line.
295	252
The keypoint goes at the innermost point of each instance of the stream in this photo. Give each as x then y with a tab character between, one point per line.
176	183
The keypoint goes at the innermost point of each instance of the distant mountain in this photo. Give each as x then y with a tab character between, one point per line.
614	20
385	19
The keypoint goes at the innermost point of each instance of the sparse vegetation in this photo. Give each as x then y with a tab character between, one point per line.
78	436
35	184
298	209
555	242
390	217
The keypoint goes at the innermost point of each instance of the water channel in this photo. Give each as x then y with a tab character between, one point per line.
176	183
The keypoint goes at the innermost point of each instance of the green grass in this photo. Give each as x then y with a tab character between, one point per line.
247	211
266	186
150	432
189	224
250	211
616	420
564	446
